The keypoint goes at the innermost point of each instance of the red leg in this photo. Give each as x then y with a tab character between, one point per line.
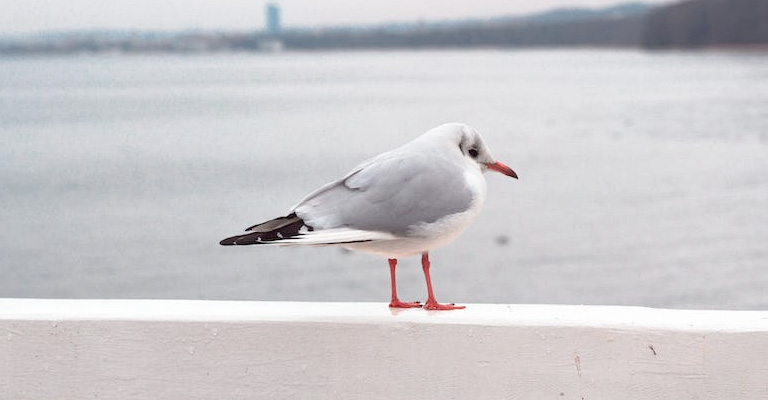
432	304
396	303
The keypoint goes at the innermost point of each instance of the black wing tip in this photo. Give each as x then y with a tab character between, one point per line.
270	231
288	219
229	241
242	240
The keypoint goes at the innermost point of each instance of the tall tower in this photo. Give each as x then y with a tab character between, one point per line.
273	18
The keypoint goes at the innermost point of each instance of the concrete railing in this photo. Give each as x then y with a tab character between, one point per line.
147	349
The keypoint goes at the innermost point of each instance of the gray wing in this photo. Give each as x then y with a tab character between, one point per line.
389	193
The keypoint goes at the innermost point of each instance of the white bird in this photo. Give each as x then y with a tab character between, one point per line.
407	201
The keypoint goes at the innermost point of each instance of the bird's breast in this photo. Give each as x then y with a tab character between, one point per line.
450	226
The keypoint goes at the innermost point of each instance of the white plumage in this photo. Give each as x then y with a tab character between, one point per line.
403	202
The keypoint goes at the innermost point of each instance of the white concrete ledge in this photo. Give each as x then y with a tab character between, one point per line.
168	349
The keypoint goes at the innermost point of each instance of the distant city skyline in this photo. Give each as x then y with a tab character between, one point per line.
31	16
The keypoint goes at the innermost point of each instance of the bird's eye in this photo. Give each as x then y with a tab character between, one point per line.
472	153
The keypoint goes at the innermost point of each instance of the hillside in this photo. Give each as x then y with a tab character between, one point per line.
707	23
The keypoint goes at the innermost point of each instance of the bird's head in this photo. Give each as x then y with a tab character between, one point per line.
472	146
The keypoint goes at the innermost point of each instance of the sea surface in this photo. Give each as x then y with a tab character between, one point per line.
643	175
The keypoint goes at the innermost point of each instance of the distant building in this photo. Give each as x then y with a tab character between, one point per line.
273	18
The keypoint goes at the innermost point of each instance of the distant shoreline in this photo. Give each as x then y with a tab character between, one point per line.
689	25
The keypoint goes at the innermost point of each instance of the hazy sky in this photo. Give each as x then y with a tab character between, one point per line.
23	16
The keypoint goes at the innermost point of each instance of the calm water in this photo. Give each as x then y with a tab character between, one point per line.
644	176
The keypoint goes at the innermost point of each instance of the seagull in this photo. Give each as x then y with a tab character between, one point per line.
404	202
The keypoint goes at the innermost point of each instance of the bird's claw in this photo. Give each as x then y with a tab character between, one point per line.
405	304
433	305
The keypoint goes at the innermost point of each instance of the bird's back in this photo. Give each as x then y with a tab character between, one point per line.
391	193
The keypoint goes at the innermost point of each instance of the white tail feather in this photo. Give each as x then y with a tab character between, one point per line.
334	236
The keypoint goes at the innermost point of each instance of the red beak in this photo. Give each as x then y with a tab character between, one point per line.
499	166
